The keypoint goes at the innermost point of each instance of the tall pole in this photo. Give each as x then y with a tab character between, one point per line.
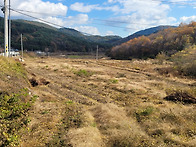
9	48
22	47
97	53
6	28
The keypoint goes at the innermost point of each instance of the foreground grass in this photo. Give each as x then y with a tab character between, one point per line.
15	101
13	116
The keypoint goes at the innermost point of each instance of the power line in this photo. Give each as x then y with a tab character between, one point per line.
122	22
54	24
104	20
37	12
37	18
107	21
175	2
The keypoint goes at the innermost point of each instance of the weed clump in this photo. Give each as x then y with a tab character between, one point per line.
13	116
114	81
144	113
83	73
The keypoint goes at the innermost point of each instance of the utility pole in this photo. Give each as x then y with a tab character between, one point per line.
9	48
21	47
97	53
6	28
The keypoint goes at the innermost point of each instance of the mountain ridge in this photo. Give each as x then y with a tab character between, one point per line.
145	32
41	36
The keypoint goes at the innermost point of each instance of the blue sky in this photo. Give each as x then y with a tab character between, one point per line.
106	17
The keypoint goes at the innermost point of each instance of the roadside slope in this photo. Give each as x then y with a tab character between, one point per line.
15	101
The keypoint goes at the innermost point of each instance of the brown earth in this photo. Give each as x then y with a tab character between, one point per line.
101	103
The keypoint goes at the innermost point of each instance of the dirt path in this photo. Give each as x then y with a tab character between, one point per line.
89	103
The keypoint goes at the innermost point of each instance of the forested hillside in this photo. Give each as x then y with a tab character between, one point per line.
38	36
145	32
111	39
169	41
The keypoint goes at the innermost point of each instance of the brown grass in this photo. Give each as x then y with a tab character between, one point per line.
120	104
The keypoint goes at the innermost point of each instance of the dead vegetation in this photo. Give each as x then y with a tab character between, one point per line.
180	96
107	103
35	82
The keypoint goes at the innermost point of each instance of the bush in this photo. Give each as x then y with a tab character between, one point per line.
161	57
185	61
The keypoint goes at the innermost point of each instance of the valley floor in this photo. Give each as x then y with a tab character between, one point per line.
101	103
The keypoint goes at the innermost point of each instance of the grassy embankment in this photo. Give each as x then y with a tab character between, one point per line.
15	101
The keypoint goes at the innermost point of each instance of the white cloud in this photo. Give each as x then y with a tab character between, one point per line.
88	29
137	14
41	8
141	14
54	13
80	7
136	22
186	19
78	19
68	22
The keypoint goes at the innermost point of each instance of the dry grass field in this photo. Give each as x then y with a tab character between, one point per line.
108	103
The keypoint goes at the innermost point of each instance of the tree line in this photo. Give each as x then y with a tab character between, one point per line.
169	40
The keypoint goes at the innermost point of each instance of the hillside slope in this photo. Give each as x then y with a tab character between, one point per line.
15	101
169	41
91	38
38	36
145	32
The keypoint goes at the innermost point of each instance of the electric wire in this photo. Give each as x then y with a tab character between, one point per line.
106	21
103	20
54	24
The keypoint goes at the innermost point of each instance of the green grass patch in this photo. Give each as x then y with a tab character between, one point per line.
144	113
13	116
83	73
114	81
9	66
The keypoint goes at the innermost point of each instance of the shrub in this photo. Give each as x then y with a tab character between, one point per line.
185	61
161	57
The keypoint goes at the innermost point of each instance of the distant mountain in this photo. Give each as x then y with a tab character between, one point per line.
145	32
91	38
39	36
